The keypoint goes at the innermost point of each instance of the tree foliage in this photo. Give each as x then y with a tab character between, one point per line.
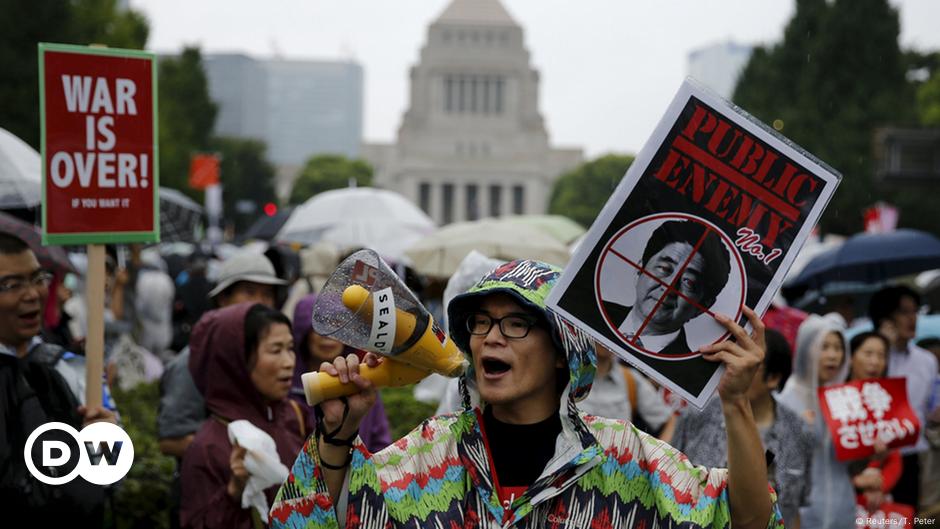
329	171
187	116
103	22
928	101
403	411
246	175
25	24
142	499
581	193
837	76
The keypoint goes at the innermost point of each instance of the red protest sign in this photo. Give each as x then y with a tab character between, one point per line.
99	145
861	412
888	515
203	171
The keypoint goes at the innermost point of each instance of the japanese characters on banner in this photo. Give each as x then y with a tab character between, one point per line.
707	220
888	516
860	412
99	145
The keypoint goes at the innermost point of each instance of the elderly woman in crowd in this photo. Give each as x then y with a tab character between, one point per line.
242	361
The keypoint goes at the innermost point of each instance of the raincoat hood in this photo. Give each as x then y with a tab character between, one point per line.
303	325
218	362
827	473
800	389
528	282
301	329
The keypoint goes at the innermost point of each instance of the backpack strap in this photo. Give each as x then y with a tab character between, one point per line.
221	419
631	388
47	353
300	417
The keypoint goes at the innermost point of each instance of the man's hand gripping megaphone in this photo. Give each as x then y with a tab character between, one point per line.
426	349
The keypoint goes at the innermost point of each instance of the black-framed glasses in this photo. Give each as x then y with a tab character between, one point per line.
512	326
18	284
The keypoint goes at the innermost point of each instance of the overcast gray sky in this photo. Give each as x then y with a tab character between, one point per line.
608	67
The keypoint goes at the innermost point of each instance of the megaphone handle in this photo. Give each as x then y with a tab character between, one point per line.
320	386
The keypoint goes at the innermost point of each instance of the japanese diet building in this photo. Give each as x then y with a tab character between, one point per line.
472	142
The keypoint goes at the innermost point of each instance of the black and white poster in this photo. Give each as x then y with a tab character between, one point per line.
707	220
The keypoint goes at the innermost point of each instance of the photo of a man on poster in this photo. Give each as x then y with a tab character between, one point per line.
683	269
706	222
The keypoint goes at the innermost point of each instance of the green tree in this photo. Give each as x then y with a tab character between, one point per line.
329	171
928	101
837	75
103	22
581	193
187	116
246	175
25	24
143	497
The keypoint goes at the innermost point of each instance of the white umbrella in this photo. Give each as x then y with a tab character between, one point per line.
20	175
359	217
440	254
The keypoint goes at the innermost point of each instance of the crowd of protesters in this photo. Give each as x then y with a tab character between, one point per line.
227	340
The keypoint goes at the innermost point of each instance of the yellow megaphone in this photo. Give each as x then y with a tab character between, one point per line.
366	306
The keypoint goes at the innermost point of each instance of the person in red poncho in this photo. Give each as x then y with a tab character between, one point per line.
242	361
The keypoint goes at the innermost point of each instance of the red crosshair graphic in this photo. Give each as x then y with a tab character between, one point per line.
670	287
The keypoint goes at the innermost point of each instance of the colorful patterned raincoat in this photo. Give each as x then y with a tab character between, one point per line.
605	473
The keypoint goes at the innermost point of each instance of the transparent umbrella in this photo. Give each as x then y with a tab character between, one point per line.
358	217
558	226
440	254
20	174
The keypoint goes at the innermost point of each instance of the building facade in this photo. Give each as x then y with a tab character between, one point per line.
472	143
299	108
718	66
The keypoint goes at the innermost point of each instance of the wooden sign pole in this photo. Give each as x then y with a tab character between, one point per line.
94	338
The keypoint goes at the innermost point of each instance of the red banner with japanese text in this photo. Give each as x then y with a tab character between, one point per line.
888	516
861	412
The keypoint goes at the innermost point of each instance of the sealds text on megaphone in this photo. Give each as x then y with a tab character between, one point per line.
366	306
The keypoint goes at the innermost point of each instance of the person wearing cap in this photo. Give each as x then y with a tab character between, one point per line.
244	277
520	453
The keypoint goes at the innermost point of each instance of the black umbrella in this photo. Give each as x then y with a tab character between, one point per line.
871	258
50	257
931	295
179	216
266	228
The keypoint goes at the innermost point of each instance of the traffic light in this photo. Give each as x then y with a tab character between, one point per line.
270	209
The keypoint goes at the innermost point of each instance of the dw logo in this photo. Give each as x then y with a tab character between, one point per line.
101	453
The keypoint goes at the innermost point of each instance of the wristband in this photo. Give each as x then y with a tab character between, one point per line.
336	467
330	437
